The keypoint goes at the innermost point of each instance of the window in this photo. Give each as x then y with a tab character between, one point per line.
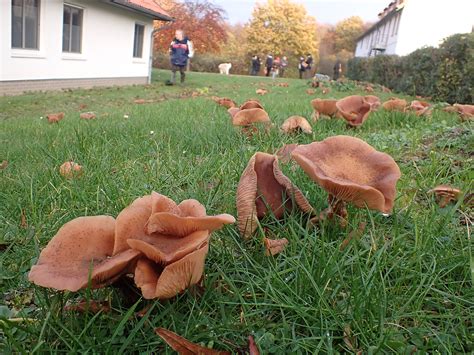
138	41
72	29
25	24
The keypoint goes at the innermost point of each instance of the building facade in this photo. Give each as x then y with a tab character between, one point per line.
406	25
56	44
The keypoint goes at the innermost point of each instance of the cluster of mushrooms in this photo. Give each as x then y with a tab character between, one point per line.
160	244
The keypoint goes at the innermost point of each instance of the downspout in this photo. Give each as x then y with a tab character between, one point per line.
152	37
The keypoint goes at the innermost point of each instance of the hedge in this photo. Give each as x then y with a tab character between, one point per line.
445	73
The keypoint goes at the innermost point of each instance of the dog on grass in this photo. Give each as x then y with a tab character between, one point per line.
224	68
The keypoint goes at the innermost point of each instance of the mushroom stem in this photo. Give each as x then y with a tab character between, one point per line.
336	208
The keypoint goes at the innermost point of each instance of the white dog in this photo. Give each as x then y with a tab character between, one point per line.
224	68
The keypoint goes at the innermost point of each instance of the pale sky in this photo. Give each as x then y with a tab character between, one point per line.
325	11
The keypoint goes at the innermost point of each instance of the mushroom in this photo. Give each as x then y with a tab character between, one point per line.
55	117
81	254
421	108
395	104
274	246
465	111
373	101
326	107
261	91
296	124
350	170
369	88
354	109
446	194
249	117
70	169
283	85
251	104
263	189
232	111
310	91
224	101
87	116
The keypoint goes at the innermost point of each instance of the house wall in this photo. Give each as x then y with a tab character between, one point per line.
420	23
107	46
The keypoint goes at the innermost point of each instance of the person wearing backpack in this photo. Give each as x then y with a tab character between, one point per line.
181	49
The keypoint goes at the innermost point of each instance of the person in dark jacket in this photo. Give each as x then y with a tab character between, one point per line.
268	65
181	49
302	67
255	65
337	70
309	64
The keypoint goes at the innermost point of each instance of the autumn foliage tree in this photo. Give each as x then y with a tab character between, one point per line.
201	20
346	33
282	27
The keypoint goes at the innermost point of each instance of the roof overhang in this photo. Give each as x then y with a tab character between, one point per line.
384	19
139	9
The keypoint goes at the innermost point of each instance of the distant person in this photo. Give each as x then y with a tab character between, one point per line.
302	67
181	49
276	67
283	66
255	65
337	70
309	65
268	65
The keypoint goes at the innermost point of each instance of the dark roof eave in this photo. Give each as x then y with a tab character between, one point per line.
381	21
141	10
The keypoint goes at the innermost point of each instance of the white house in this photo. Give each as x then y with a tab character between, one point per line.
56	44
406	25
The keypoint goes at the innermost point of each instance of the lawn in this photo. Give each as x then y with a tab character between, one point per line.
407	284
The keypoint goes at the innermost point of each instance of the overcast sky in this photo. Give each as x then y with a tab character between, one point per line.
325	11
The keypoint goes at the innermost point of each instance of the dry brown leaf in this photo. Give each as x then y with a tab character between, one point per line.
23	222
253	348
183	346
88	307
274	246
4	165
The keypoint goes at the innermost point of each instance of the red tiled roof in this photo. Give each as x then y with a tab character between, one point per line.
150	5
146	7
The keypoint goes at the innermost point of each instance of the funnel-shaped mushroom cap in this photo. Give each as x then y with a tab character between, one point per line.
296	124
446	190
130	224
226	102
81	249
373	101
55	117
351	170
261	91
274	246
261	190
251	104
354	109
325	106
87	116
156	282
233	111
466	111
395	105
249	116
420	107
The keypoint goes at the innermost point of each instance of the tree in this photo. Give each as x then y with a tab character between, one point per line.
282	27
201	20
346	33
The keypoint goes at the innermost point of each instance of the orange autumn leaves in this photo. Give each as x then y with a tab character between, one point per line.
163	244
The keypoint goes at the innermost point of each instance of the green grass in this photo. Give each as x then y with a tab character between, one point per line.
405	285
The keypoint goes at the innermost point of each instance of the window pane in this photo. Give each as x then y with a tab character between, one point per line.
76	31
17	23
66	28
31	23
138	41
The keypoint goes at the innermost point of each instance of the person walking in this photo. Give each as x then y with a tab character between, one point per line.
276	68
309	65
302	67
255	65
283	66
337	70
181	49
268	65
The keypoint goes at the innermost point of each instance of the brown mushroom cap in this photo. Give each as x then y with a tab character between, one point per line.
55	117
373	101
354	109
466	111
251	104
250	116
81	250
130	224
351	170
261	190
226	102
70	169
261	91
420	107
447	190
274	246
295	124
156	282
395	104
87	116
233	111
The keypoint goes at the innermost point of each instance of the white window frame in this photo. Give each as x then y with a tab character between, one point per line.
69	54
138	59
38	30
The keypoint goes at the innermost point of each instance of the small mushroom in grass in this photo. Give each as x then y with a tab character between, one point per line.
296	124
263	189
421	108
70	169
162	243
4	165
283	85
87	116
232	111
354	109
55	117
326	91
261	91
249	117
350	170
284	153
224	101
450	109
369	88
274	246
395	104
310	91
373	101
81	254
251	104
324	107
446	194
465	111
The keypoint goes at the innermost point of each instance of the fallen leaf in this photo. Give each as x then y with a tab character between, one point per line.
88	307
4	165
87	116
310	92
253	348
274	246
184	346
23	222
261	91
